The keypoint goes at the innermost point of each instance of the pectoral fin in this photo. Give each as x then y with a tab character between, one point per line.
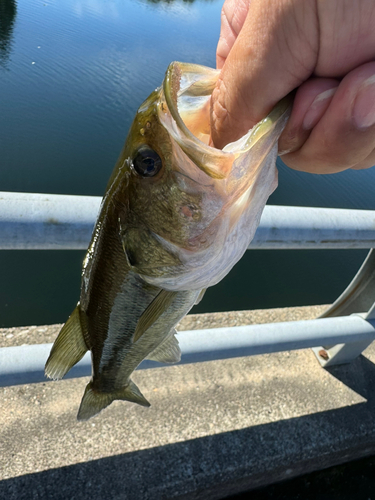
168	351
94	402
68	349
160	304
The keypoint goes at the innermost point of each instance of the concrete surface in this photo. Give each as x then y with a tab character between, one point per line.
213	429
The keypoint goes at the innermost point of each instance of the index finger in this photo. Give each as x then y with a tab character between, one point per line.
274	52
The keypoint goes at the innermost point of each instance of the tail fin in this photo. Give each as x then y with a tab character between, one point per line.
93	402
68	349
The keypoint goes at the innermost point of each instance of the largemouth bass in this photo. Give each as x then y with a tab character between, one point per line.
176	216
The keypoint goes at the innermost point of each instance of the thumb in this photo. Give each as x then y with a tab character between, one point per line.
274	52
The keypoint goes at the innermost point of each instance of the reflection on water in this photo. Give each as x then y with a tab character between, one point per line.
8	10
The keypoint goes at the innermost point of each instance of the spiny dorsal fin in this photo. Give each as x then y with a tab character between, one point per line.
160	304
68	349
168	351
94	402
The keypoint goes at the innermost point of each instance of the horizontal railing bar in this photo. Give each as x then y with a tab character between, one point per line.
31	221
310	227
25	364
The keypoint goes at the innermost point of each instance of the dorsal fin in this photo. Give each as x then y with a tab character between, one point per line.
168	351
68	349
160	304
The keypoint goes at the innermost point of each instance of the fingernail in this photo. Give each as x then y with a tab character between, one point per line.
317	108
364	105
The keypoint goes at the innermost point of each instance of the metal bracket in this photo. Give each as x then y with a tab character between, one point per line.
340	354
358	297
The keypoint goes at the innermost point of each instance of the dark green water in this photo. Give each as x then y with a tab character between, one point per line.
72	74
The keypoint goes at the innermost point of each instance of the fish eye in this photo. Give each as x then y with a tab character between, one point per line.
147	162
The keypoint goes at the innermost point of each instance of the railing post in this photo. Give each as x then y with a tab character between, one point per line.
358	297
340	354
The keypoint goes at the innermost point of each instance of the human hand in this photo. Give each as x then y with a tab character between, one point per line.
267	48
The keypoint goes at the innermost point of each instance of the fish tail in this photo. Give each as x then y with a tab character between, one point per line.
68	349
93	401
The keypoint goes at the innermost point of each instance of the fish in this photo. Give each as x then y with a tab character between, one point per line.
176	216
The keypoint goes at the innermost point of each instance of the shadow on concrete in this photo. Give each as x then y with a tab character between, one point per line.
348	481
357	376
217	466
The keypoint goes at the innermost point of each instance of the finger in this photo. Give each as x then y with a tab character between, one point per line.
275	51
366	163
310	103
233	15
344	136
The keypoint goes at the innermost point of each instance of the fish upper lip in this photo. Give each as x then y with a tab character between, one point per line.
173	108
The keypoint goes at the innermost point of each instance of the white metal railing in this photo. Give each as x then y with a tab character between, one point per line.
49	221
25	364
38	221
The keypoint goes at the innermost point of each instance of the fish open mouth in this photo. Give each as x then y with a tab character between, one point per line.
187	90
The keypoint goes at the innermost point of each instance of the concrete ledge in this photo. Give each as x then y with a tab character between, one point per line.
214	429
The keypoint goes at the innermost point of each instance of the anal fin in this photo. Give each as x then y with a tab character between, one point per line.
168	351
94	402
200	296
68	349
